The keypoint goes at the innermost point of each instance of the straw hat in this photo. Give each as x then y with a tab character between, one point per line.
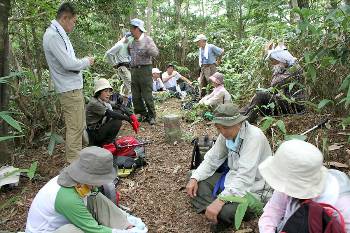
94	167
102	84
296	170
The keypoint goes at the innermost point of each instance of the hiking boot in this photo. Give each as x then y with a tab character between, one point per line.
152	121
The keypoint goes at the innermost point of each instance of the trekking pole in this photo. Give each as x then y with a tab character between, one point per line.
323	122
133	145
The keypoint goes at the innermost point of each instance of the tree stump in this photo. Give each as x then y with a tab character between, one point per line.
172	128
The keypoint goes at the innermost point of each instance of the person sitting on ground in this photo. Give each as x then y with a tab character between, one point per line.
70	202
239	149
219	95
157	81
285	99
297	174
170	77
104	118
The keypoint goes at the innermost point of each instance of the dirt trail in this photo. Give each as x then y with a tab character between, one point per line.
156	192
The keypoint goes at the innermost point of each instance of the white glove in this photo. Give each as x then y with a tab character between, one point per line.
137	222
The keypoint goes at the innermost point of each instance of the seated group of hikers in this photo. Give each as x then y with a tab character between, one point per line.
69	202
291	181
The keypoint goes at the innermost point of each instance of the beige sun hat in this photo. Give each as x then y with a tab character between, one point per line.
217	78
94	167
296	169
227	115
200	37
138	23
102	84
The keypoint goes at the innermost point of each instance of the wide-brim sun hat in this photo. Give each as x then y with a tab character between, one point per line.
296	169
200	37
94	167
156	71
102	84
217	78
228	115
138	23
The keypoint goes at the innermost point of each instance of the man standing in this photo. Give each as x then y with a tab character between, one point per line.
65	72
118	57
141	51
208	54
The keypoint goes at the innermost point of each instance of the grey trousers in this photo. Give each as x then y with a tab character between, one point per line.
104	211
204	199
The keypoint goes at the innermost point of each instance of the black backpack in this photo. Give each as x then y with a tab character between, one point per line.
201	145
313	217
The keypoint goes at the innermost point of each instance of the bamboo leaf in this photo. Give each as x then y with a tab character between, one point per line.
281	126
267	122
32	170
295	136
9	120
240	212
4	138
323	103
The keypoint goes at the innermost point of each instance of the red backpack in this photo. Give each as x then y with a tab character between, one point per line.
123	146
314	217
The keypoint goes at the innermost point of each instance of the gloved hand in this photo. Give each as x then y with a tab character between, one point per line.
134	122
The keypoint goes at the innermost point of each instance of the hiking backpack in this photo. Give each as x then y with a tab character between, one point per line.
313	217
201	146
127	152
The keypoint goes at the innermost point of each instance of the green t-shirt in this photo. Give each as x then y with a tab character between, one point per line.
71	206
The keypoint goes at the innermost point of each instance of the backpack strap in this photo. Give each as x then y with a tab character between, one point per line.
341	218
325	206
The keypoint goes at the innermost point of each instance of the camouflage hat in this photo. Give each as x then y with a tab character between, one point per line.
228	115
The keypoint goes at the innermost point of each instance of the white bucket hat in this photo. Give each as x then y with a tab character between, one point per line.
156	71
102	84
94	167
296	169
200	37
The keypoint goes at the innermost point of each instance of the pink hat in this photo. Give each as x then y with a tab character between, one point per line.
217	78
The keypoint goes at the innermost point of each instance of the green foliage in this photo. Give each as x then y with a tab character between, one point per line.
197	113
54	140
245	202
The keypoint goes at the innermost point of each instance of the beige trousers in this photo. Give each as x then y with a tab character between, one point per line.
104	211
206	72
73	107
124	74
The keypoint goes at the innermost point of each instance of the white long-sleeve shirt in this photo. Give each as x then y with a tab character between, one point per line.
64	69
243	175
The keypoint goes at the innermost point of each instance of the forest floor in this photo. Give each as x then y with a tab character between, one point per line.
156	193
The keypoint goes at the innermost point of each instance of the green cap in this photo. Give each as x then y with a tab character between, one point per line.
228	115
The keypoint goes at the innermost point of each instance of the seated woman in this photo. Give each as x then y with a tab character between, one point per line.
157	81
219	95
287	89
104	121
296	173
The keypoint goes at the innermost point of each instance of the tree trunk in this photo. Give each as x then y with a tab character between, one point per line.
303	4
294	17
149	17
230	9
4	70
240	21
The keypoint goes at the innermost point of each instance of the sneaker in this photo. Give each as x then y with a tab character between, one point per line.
152	121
